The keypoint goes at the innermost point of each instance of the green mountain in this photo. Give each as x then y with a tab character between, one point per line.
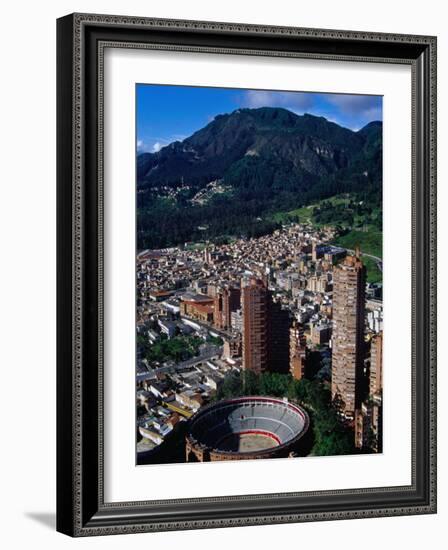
226	178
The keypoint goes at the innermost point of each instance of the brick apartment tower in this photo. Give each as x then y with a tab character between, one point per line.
369	417
255	306
376	365
227	300
297	350
278	338
265	330
349	283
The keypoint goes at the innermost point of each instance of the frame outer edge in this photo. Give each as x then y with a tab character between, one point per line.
70	508
433	273
221	26
66	389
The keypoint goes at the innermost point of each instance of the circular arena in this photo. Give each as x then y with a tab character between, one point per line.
245	427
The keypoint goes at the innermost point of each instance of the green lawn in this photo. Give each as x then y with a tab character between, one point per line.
370	242
305	213
178	348
374	275
196	246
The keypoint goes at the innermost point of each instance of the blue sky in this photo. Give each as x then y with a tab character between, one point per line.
172	113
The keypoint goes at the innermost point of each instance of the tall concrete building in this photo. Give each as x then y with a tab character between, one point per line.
226	301
376	365
278	338
369	417
255	305
368	426
207	255
217	309
297	350
265	330
349	279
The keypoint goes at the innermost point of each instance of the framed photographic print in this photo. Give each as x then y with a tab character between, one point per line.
246	272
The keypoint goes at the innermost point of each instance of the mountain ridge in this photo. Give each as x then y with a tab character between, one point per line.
267	159
210	151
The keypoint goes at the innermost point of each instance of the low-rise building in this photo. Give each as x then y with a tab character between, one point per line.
167	327
320	334
233	347
201	311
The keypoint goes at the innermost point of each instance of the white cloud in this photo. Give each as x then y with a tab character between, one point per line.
295	101
369	106
349	110
153	144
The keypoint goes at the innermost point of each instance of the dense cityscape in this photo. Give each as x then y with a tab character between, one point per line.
259	274
286	314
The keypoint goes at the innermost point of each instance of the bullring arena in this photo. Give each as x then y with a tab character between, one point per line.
245	428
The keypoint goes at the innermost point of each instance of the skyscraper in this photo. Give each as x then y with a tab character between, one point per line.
227	301
349	282
376	365
368	426
278	338
297	350
217	310
265	330
255	305
369	417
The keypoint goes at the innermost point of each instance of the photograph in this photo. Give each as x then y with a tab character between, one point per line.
246	271
259	274
227	238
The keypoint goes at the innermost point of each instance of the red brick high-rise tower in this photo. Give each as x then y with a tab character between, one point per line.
297	350
265	330
255	306
349	282
227	300
376	365
278	338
